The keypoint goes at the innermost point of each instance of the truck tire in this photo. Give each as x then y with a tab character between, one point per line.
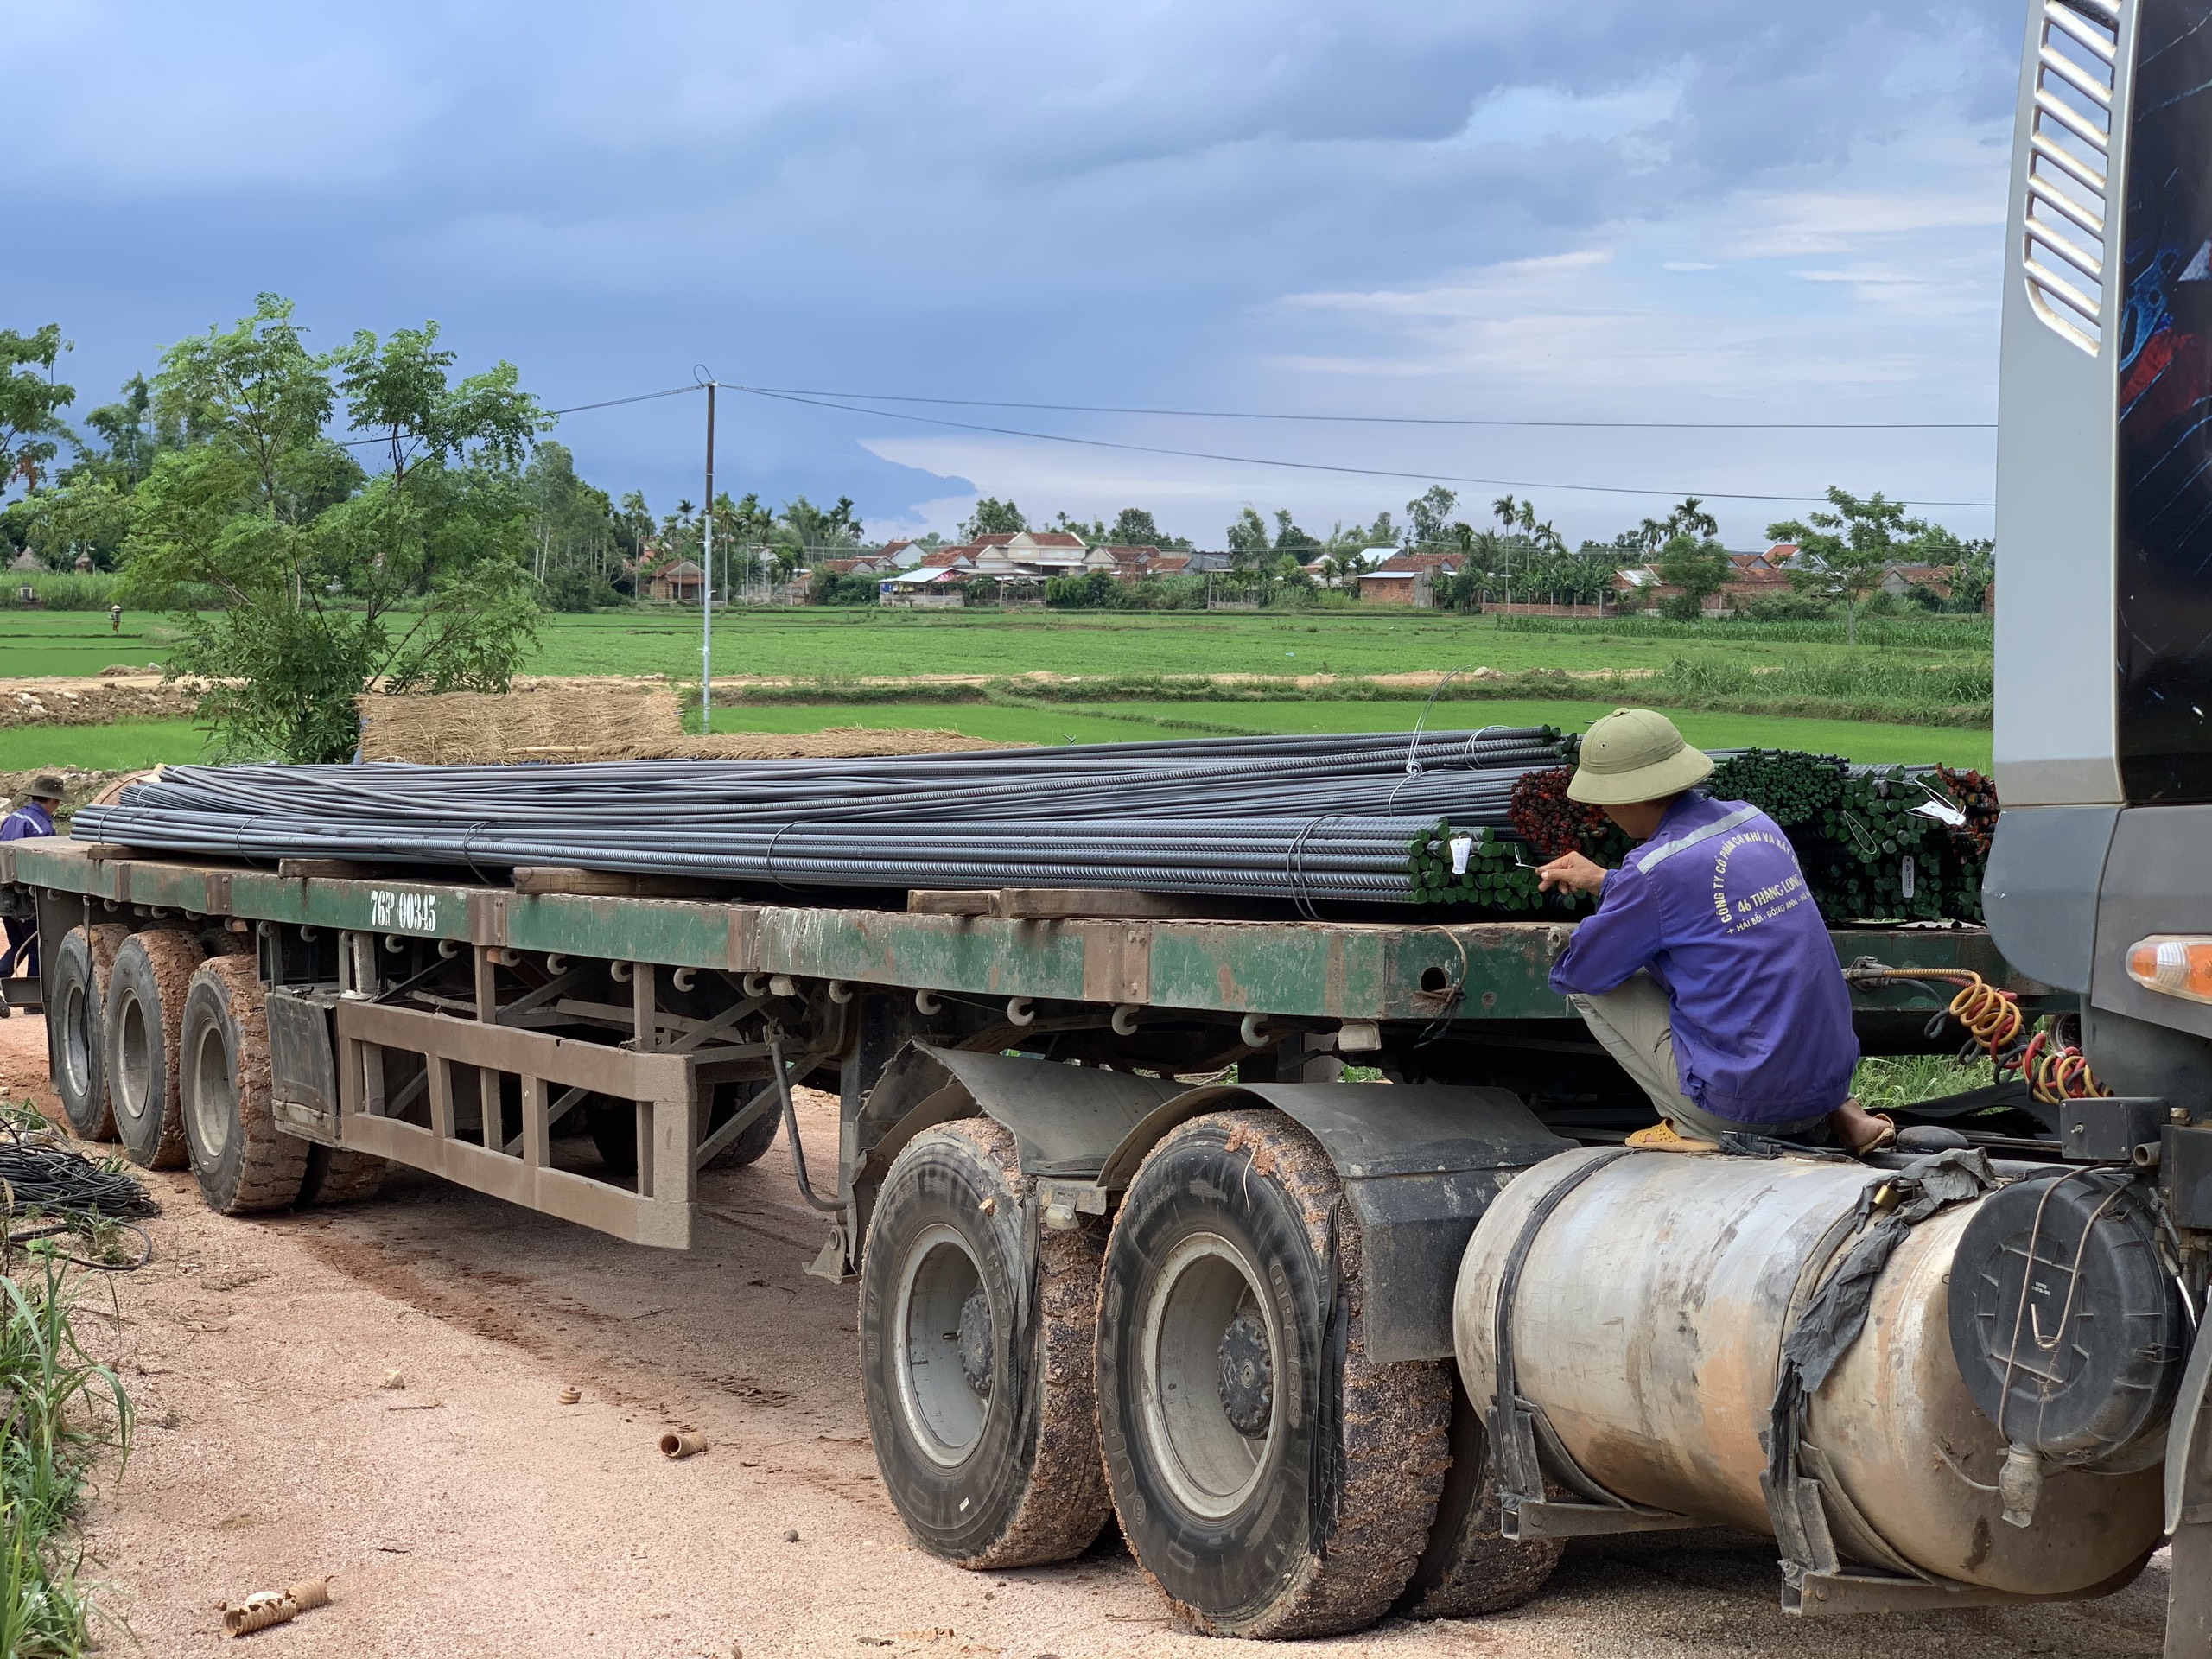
976	1336
613	1131
1271	1480
243	1163
1470	1568
139	1029
754	1140
76	1003
335	1175
613	1126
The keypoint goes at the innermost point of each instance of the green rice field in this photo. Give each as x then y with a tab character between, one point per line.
142	743
834	643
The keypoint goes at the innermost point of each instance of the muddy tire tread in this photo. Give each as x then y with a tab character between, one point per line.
1066	1503
1393	1447
173	957
271	1163
1470	1568
347	1177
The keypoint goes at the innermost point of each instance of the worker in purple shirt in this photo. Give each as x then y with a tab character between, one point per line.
1707	971
34	817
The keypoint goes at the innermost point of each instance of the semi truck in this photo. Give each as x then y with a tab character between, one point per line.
1309	1250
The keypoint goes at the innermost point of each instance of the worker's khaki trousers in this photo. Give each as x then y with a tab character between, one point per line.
1633	1022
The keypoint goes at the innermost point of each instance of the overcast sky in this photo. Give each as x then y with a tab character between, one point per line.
1704	209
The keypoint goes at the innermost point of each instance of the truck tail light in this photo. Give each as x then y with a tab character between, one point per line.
2176	964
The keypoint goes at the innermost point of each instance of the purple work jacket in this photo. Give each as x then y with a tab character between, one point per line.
1715	907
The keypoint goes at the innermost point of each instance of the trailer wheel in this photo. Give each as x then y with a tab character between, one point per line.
335	1175
754	1140
1470	1568
76	1003
977	1335
1271	1480
243	1162
613	1126
139	1029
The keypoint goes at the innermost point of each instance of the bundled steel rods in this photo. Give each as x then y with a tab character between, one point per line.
1433	817
1305	818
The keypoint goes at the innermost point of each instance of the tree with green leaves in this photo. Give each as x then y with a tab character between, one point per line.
1248	541
1843	555
1690	518
1973	567
334	581
993	518
31	401
1289	538
1699	569
1135	527
571	531
1430	516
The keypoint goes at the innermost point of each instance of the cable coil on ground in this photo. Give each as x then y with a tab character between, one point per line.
49	1192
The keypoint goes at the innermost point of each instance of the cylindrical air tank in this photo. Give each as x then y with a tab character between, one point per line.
1647	1329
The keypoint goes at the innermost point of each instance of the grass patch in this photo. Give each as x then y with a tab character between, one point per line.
1885	1081
1965	632
65	1413
36	643
1015	721
832	644
124	746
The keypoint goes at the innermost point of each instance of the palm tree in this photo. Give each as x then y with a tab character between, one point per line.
1690	518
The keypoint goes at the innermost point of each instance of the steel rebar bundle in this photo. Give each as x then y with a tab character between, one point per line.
1303	818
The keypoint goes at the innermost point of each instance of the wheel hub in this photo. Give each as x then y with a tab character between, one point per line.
1248	1374
941	1326
1208	1354
976	1341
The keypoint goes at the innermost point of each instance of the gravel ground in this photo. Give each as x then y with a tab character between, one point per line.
468	1513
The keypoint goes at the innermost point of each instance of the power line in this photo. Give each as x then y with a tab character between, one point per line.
1302	466
1399	420
829	400
573	408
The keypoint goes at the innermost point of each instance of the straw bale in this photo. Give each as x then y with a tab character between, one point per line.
612	720
835	743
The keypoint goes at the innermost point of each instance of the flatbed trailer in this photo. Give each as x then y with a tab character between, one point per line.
1102	1155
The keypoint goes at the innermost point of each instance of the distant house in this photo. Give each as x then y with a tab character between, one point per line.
27	563
1410	578
868	564
926	587
1029	555
682	583
1324	566
1121	560
1751	577
1901	579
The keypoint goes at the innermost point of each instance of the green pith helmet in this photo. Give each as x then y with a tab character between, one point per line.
1635	754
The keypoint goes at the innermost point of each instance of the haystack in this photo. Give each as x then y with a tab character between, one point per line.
547	722
605	719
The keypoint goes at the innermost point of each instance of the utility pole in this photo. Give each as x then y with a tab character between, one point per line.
707	580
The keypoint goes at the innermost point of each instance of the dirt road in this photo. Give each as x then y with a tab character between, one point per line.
468	1513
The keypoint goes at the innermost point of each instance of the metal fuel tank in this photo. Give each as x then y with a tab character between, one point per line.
1647	1329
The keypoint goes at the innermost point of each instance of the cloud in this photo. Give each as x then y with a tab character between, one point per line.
1299	204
